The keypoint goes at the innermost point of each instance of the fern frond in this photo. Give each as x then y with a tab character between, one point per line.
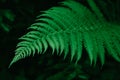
70	27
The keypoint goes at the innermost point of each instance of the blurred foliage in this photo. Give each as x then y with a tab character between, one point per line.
15	17
111	10
6	15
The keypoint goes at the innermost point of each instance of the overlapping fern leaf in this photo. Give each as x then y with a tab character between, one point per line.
69	28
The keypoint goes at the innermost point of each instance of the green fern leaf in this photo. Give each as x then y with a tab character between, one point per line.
69	28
